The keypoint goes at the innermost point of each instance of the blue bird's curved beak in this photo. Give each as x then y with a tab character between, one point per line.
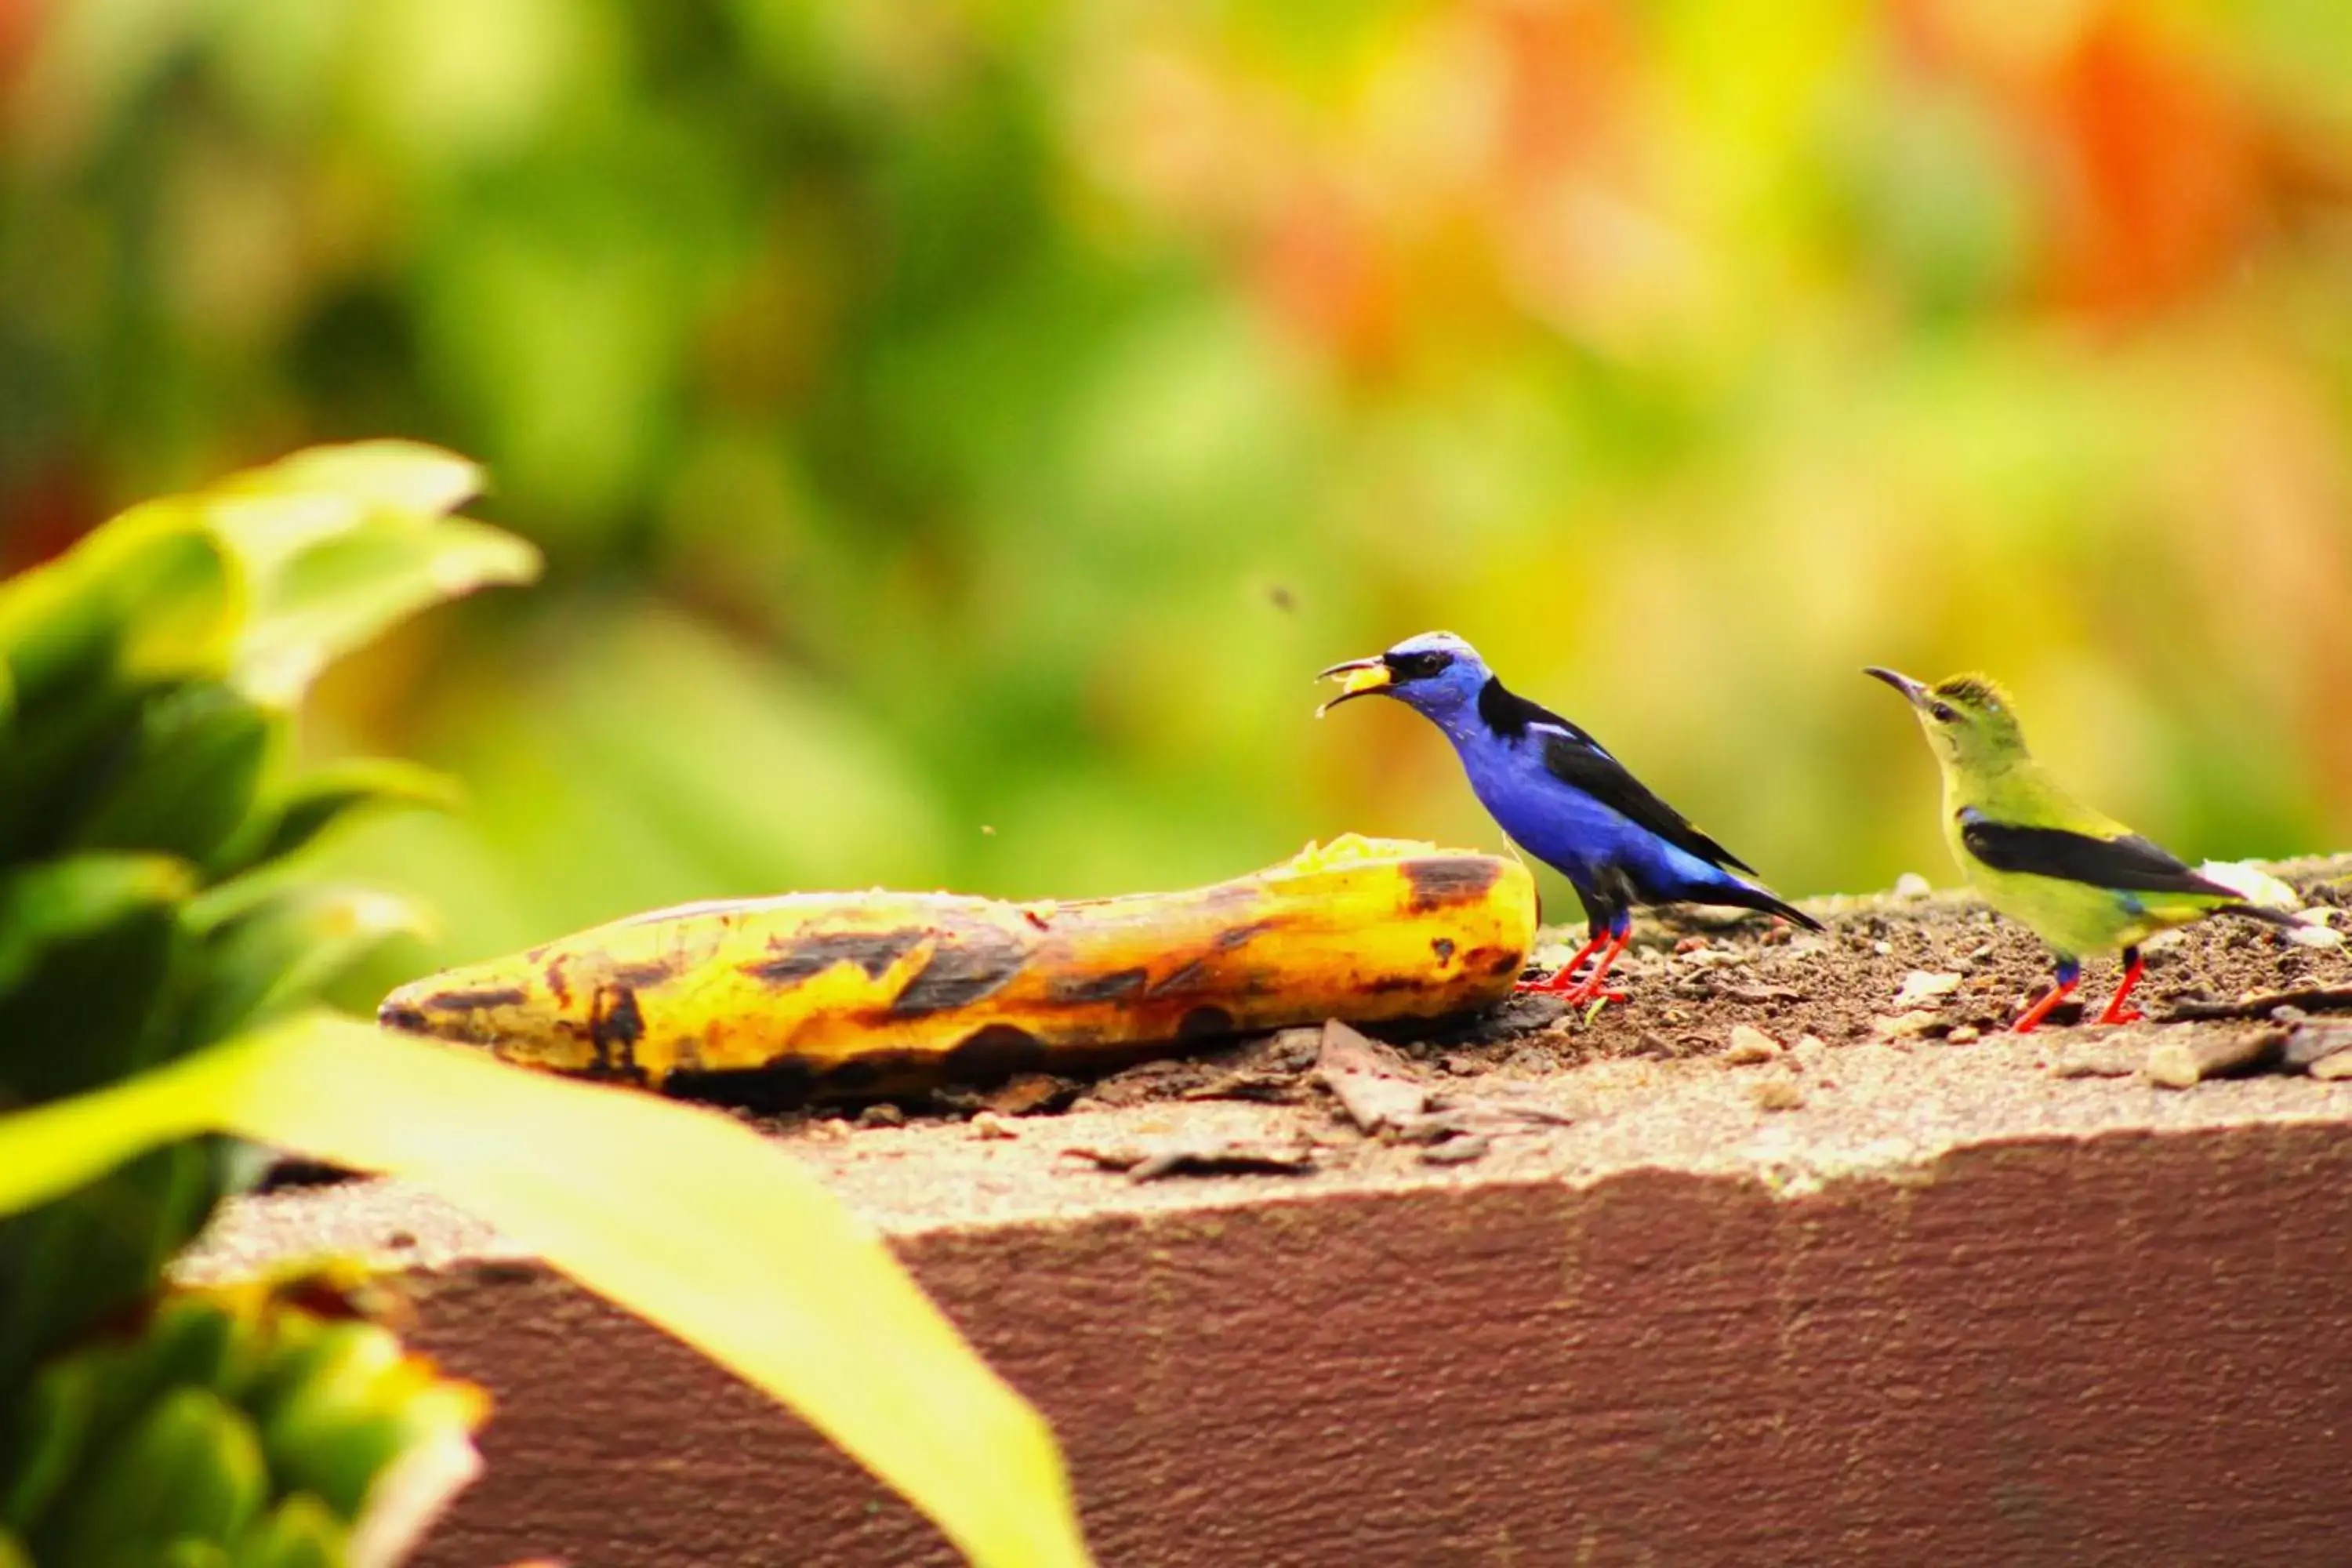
1914	691
1362	677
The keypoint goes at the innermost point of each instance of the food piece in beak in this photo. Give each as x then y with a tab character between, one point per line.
1363	677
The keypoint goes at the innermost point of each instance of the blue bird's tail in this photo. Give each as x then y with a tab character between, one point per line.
1731	891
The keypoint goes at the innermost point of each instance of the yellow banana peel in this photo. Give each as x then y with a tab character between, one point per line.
837	994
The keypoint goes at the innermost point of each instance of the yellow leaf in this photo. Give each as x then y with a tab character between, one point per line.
683	1216
272	513
400	475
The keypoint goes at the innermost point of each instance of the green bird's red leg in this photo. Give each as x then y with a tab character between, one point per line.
2070	975
2116	1012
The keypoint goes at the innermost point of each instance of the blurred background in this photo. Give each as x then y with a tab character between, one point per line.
959	430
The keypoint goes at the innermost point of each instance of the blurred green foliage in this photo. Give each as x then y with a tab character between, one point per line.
958	431
161	942
153	906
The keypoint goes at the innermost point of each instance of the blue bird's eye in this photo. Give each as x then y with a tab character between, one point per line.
1418	666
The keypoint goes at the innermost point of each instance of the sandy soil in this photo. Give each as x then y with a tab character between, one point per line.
1865	1051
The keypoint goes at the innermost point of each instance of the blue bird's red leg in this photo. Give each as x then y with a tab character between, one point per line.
2116	1012
1621	931
1559	979
2070	975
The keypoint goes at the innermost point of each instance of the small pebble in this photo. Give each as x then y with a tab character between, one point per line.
1455	1150
1921	988
827	1129
2183	1057
1966	1034
1883	948
2338	1066
1027	1093
1908	1026
989	1124
882	1114
2095	1061
1749	1044
1911	885
1779	1094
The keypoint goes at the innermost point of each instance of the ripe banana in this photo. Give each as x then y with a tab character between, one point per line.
831	994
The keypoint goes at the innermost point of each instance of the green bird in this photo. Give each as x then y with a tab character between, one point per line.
2083	881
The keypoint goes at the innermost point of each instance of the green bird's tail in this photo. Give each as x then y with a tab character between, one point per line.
2262	913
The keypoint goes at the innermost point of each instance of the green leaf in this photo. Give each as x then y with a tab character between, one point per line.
87	946
100	1248
60	901
344	591
389	473
188	1340
83	1404
270	514
341	543
277	951
187	778
707	1231
298	815
53	1432
190	1469
146	602
338	1411
149	594
300	1532
351	1407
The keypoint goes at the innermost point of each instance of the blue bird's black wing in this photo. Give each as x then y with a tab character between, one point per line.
1580	762
1576	759
2129	864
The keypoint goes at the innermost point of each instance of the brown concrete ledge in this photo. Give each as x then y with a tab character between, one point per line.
2078	1340
1949	1306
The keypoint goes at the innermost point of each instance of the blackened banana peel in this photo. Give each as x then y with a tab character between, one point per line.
843	993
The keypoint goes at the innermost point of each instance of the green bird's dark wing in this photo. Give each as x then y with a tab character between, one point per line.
2128	864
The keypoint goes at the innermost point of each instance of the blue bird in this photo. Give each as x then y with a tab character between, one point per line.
1560	797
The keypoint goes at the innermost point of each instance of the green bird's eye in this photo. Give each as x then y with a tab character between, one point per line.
1943	712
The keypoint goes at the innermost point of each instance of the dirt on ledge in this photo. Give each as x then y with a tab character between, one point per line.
1871	1049
1908	972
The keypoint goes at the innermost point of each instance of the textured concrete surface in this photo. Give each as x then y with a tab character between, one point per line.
2124	1345
1876	1294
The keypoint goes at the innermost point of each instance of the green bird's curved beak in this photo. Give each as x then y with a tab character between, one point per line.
1914	691
1362	677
